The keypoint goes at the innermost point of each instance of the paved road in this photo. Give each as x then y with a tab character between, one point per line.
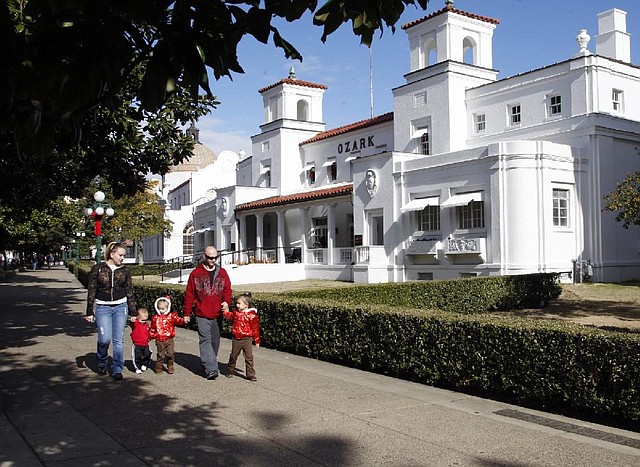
56	410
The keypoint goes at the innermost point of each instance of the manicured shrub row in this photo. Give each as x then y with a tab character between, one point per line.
553	366
476	295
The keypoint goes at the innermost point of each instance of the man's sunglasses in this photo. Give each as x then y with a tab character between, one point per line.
211	257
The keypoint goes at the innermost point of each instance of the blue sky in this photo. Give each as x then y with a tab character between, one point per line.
531	34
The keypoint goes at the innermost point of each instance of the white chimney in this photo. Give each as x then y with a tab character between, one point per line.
613	40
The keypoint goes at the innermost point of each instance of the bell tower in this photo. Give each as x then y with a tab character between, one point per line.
450	34
292	113
450	51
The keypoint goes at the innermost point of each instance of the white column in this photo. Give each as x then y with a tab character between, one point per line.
331	232
280	253
242	237
304	239
259	234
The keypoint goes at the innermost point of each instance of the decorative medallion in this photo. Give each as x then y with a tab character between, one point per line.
225	207
371	182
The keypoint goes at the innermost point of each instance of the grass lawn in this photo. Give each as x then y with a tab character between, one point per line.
615	306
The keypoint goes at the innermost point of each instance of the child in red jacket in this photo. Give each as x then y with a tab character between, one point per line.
163	330
245	329
140	352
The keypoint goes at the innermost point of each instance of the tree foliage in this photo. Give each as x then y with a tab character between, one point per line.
121	143
64	58
625	201
138	216
39	230
102	87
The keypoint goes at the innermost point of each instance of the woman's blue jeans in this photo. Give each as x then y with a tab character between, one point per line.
110	322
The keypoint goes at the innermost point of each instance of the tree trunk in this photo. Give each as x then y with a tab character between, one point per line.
140	255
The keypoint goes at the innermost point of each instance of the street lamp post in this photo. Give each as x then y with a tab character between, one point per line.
80	236
99	210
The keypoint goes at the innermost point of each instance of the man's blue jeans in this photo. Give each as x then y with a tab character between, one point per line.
111	321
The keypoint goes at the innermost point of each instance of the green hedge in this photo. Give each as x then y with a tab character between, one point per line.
549	365
475	295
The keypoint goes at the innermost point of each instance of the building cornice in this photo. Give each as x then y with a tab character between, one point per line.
294	82
388	117
293	198
451	9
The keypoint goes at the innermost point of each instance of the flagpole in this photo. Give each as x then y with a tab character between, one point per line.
371	76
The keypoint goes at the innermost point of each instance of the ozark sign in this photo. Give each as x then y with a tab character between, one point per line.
356	144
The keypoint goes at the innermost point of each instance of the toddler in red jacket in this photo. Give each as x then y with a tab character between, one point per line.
140	352
163	330
245	329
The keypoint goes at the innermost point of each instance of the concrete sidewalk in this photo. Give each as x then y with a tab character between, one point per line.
56	410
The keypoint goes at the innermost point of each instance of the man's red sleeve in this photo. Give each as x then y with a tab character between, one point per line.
189	297
226	293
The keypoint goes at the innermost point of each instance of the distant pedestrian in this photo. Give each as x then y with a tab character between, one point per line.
110	290
163	330
140	351
34	262
245	328
49	260
209	289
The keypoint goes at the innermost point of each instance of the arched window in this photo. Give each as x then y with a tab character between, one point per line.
428	55
187	240
469	50
432	56
303	110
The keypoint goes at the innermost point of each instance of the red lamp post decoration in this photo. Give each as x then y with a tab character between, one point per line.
97	213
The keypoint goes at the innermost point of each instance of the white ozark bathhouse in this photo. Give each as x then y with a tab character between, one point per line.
469	175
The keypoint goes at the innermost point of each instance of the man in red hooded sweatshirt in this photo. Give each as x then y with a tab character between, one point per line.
209	289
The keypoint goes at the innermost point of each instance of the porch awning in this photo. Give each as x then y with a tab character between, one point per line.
420	131
420	203
351	158
463	198
205	229
307	168
329	163
265	169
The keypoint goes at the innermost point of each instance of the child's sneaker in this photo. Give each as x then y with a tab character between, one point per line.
138	371
143	368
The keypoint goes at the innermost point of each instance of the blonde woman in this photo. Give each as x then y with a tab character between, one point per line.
110	292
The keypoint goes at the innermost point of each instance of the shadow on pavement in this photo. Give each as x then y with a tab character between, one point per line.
62	412
65	412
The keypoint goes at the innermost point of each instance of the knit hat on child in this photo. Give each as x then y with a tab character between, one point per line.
161	299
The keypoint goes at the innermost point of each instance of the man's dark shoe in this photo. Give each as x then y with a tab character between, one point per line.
117	376
102	371
212	375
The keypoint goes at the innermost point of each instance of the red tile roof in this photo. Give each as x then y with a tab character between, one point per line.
297	197
297	82
351	127
450	8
